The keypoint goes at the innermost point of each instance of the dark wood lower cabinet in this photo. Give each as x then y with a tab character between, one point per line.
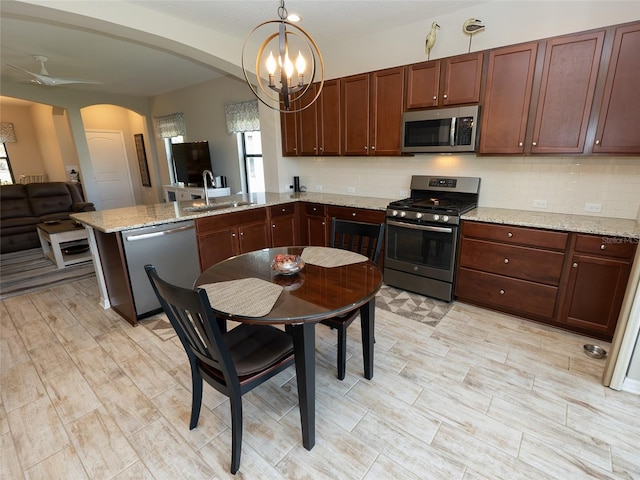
569	280
284	231
313	225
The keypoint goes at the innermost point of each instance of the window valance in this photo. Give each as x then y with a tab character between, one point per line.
169	126
242	116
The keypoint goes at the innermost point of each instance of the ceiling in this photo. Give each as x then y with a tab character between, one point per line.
142	69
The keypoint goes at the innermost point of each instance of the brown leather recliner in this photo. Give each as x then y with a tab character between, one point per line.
22	207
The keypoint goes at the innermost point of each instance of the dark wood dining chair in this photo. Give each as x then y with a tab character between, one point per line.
233	363
363	238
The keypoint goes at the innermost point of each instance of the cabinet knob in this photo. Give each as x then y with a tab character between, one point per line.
575	265
373	147
509	234
284	209
315	149
535	144
366	148
597	142
520	144
322	223
242	234
353	214
603	247
445	96
273	225
233	234
501	292
435	97
506	260
321	149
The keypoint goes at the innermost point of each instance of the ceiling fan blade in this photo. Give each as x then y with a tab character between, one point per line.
50	81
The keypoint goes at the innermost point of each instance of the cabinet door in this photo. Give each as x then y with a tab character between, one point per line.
594	294
316	230
462	78
329	119
423	84
387	105
308	124
217	246
252	237
507	98
283	231
355	115
619	117
289	126
568	83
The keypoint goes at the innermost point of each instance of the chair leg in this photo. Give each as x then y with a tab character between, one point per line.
236	431
196	397
342	351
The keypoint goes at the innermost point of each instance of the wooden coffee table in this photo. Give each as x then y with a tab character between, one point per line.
63	242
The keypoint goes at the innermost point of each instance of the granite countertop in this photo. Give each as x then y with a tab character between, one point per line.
557	221
128	218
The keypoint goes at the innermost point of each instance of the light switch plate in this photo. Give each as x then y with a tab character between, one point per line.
318	188
593	207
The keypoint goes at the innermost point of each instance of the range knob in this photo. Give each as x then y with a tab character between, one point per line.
445	218
403	214
436	217
394	213
418	215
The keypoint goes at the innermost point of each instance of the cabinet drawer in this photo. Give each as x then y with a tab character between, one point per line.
356	214
515	261
511	295
314	209
280	210
606	246
215	222
532	237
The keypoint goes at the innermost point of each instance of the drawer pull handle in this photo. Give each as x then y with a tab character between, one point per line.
501	292
353	214
603	247
509	234
575	265
506	260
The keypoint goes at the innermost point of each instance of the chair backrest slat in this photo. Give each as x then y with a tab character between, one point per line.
360	237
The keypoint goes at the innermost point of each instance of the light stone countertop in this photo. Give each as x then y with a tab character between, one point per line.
128	218
557	221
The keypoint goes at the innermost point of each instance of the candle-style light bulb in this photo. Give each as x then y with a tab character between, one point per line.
301	64
271	64
288	66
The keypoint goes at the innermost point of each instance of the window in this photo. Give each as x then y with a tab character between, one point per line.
167	147
6	174
253	165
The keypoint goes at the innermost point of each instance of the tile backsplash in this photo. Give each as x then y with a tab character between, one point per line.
564	184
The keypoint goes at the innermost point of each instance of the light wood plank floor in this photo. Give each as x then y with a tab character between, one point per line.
480	396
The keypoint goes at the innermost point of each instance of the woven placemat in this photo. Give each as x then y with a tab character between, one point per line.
248	297
331	257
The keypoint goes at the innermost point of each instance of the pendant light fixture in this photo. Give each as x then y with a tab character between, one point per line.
280	80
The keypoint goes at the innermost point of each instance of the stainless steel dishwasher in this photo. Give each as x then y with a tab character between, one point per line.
172	248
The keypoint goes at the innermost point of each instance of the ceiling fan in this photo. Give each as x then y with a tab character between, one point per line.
43	78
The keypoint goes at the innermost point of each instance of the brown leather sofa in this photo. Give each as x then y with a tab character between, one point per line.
22	207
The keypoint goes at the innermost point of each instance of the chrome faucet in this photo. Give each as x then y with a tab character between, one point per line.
204	182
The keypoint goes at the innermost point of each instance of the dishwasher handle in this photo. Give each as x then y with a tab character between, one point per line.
144	236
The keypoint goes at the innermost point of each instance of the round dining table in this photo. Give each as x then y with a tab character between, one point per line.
309	296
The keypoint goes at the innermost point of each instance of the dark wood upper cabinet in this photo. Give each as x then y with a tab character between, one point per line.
308	123
329	118
567	86
507	98
355	115
387	105
450	81
289	127
618	127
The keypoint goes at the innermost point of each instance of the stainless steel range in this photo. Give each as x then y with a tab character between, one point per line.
423	231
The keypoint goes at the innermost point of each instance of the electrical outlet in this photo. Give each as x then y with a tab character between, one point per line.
404	193
318	188
593	207
351	190
539	204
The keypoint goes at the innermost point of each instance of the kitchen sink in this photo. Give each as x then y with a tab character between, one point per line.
216	206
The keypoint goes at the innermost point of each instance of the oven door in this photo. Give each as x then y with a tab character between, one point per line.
427	250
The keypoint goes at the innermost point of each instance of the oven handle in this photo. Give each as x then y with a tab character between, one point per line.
420	227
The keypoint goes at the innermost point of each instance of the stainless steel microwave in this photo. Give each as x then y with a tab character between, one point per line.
440	130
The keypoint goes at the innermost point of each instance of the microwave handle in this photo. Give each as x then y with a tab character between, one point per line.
452	132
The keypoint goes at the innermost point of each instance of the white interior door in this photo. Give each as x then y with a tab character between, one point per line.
111	169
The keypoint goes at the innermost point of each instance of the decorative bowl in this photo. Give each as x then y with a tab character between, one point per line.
595	351
287	264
